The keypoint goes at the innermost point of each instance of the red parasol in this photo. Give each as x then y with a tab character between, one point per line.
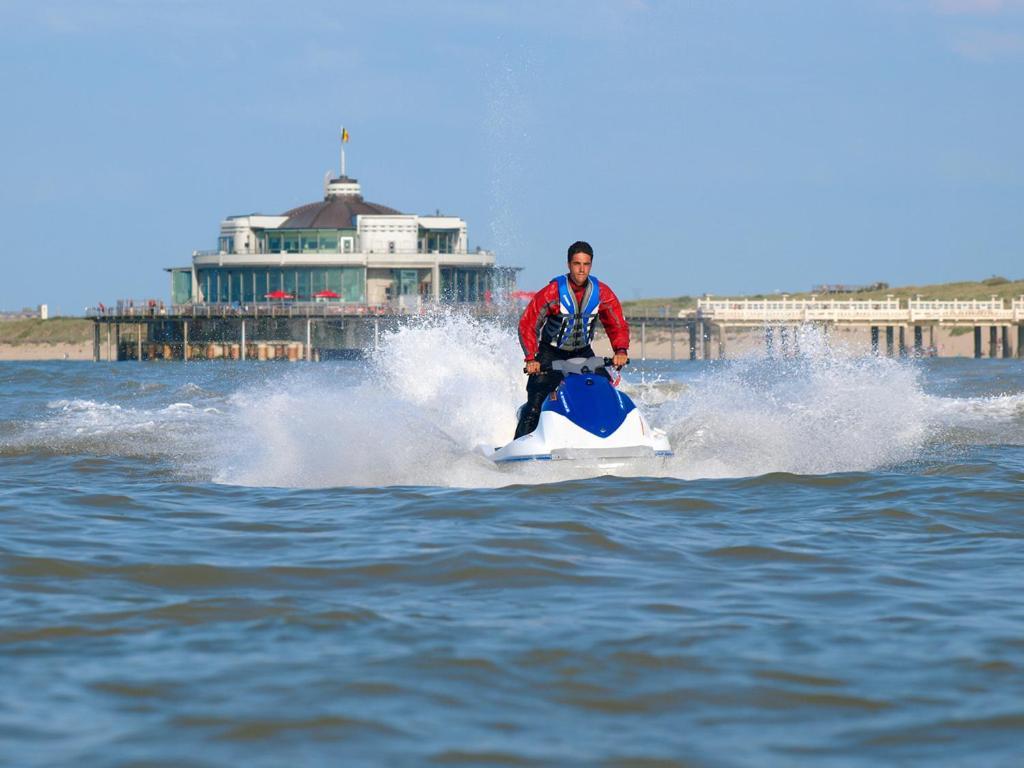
278	294
327	295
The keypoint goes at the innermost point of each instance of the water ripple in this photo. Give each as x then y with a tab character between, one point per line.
330	601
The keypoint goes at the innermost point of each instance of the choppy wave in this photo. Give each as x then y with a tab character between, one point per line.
417	412
830	617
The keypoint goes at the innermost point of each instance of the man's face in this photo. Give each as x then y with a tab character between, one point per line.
579	267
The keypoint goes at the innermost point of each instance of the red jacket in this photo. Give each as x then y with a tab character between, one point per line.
545	304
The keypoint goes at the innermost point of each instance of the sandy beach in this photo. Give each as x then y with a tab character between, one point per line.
57	351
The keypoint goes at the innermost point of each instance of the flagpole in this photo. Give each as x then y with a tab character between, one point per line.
342	141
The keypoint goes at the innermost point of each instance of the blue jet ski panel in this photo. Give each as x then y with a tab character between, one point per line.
590	402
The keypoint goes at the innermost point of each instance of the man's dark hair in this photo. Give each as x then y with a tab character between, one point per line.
580	246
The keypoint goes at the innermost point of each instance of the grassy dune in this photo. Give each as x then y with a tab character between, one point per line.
59	330
979	289
659	307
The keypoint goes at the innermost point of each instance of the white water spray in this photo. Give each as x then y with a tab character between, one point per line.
436	391
416	411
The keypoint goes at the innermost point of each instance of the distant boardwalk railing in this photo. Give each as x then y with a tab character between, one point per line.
888	311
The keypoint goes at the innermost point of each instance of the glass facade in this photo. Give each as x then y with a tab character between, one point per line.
245	285
466	284
406	282
438	240
181	286
305	240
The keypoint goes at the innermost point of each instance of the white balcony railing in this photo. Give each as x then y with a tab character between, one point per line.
888	310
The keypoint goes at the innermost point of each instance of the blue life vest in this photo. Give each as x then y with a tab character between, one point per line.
573	327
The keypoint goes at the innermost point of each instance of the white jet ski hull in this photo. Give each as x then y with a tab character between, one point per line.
557	438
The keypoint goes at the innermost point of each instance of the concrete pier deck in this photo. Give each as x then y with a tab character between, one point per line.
263	331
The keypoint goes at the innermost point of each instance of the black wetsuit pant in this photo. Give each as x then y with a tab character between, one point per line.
540	385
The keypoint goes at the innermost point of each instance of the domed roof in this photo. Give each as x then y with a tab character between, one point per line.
334	211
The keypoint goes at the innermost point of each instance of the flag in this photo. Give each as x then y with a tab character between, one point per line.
344	136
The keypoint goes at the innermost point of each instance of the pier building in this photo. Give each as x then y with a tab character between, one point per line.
342	249
323	279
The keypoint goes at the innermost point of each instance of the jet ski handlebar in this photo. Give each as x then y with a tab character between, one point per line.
577	365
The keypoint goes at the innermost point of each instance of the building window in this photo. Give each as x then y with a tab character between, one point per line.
181	286
391	246
319	281
441	241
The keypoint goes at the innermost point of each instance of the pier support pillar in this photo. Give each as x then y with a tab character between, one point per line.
1020	340
376	333
672	340
918	341
117	341
1007	352
783	341
874	339
721	342
705	338
138	341
643	341
769	341
691	332
903	341
95	342
108	342
242	352
977	341
184	346
796	341
309	338
993	341
889	341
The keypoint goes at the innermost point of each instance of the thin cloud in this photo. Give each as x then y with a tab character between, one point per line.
976	7
987	45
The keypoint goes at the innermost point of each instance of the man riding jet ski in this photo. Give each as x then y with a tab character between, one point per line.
558	324
584	415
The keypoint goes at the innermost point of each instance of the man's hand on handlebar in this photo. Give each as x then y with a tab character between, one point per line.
621	359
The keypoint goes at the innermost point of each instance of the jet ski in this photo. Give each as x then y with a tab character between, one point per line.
586	418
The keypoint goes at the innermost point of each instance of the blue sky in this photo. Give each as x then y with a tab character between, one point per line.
702	146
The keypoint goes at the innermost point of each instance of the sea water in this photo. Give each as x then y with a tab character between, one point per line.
264	564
